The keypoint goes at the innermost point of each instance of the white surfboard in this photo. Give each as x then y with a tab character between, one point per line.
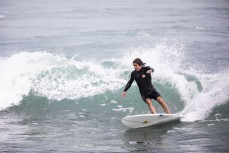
144	120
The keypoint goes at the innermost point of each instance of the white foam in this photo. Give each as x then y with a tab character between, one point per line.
55	77
17	74
76	80
215	92
124	109
113	102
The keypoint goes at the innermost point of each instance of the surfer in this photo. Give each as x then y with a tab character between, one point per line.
142	75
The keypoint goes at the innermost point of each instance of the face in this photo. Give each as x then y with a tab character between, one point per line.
137	67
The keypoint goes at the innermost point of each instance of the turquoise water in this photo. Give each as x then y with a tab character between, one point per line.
64	65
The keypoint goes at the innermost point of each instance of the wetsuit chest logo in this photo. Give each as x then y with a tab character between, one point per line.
143	76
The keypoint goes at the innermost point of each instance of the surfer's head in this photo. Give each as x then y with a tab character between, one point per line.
137	63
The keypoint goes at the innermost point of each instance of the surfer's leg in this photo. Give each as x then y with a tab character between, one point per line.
163	104
151	107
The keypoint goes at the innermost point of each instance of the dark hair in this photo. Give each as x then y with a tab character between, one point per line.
139	62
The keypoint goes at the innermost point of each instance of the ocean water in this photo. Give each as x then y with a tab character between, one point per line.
64	65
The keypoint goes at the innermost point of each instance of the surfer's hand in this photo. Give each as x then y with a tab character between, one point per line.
123	94
149	71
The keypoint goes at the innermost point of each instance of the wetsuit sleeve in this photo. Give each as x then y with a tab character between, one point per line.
149	68
129	83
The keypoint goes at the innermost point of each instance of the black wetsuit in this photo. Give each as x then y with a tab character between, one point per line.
144	83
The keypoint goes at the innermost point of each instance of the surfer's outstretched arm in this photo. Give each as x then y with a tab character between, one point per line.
128	85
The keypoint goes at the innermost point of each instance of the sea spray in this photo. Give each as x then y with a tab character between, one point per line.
214	93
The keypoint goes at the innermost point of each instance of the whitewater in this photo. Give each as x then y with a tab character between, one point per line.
58	77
